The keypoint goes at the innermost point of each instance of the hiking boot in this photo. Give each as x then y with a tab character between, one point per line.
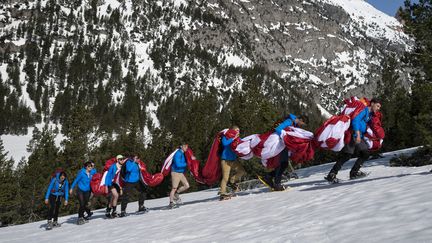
56	224
81	221
108	213
331	177
172	205
122	214
293	175
88	216
114	214
142	209
279	187
357	174
234	187
177	198
225	196
267	181
49	225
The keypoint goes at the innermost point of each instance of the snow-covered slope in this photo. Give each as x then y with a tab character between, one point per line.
390	205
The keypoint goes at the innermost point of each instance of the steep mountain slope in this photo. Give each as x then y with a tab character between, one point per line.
390	205
147	57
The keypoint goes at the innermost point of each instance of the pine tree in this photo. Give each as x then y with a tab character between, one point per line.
9	204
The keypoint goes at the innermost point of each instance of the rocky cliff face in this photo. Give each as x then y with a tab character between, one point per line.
321	49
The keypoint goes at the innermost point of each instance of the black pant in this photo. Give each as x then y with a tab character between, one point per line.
83	198
346	153
127	188
55	202
278	171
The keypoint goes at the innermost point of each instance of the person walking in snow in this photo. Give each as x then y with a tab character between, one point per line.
228	162
83	179
112	181
57	189
273	179
356	145
178	169
131	174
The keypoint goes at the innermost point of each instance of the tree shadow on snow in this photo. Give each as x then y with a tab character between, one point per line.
325	185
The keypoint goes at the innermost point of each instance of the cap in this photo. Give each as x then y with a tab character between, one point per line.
119	156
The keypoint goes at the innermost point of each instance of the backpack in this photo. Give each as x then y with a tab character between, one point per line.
108	164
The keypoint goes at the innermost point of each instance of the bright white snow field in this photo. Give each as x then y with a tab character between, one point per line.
392	204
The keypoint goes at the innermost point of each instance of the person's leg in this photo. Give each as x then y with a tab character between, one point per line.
175	180
57	208
125	197
363	155
86	205
142	189
239	171
52	201
185	184
279	172
343	157
82	203
115	193
225	176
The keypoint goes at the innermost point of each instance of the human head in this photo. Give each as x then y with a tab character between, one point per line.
236	128
88	165
119	158
62	176
302	120
375	105
184	147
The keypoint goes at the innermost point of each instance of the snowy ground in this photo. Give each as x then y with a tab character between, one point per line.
392	204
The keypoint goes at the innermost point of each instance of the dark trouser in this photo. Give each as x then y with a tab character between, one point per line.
55	202
83	198
346	153
140	187
278	171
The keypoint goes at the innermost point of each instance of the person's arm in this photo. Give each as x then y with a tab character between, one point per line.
288	122
49	190
356	124
66	191
226	142
110	175
78	178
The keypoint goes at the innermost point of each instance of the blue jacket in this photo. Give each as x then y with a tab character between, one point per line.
57	189
111	174
227	152
83	180
359	123
288	122
179	162
132	173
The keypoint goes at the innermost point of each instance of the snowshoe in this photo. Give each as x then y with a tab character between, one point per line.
331	177
122	214
81	221
172	205
143	209
293	175
49	225
114	215
108	213
279	188
234	187
56	224
225	196
177	198
266	181
358	174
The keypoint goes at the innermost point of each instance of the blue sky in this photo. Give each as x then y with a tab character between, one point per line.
388	6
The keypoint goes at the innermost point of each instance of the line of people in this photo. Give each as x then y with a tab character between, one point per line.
124	174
